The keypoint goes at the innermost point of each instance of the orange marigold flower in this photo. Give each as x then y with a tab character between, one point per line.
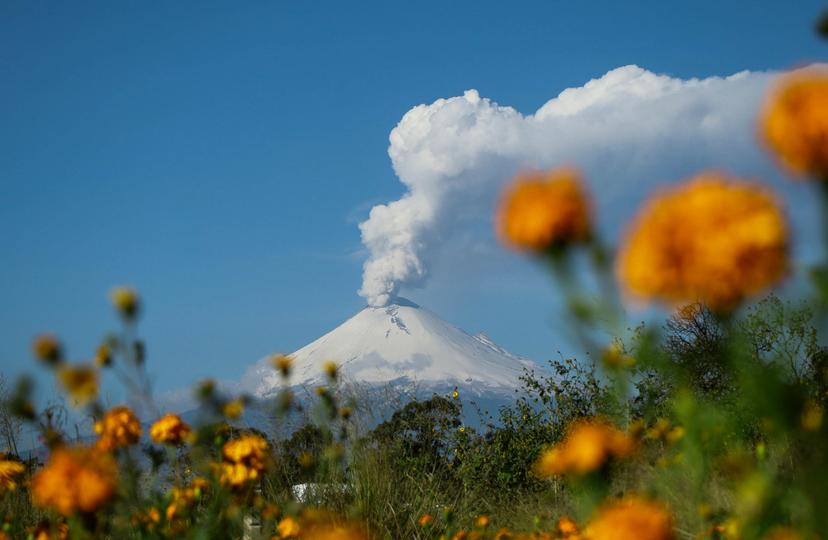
587	446
149	518
78	479
47	349
244	460
49	531
794	124
503	534
237	474
783	533
80	382
331	531
631	518
713	240
425	520
10	470
288	528
567	526
118	428
169	429
545	209
481	521
182	498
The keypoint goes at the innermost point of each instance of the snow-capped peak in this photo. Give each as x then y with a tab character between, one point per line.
400	342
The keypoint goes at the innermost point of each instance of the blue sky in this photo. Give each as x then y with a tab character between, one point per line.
219	156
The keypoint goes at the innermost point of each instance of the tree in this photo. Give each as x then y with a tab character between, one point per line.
10	425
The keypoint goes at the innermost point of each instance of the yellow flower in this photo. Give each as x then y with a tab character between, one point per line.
288	528
169	429
567	526
233	409
10	470
283	363
614	356
247	448
783	533
78	479
126	301
794	124
587	446
425	520
631	518
455	395
345	412
812	414
244	460
331	531
80	382
49	531
103	356
713	240
47	349
149	518
182	498
306	460
506	534
118	428
331	369
481	521
544	209
270	512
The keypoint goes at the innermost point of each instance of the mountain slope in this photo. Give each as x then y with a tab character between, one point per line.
400	343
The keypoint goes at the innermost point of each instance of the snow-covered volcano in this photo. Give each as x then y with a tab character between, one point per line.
400	343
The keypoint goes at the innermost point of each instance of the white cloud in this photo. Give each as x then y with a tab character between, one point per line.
627	131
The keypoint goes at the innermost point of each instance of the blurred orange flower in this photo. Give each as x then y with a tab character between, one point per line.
567	526
79	479
103	356
282	363
587	446
288	528
80	382
233	409
126	301
541	210
169	429
118	428
47	349
182	498
713	239
244	459
795	122
335	532
10	470
331	369
631	518
783	533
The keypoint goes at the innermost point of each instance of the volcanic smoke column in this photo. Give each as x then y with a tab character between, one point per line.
627	131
